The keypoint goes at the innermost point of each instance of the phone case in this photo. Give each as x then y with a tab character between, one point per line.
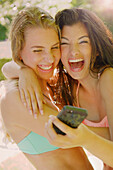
72	116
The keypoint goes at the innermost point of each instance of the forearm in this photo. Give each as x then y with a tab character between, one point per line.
101	131
99	147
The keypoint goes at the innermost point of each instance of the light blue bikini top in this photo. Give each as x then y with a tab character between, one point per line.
35	144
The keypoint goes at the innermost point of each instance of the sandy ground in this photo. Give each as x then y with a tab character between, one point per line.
10	154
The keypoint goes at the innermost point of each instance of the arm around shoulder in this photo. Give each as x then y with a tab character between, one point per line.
14	113
11	70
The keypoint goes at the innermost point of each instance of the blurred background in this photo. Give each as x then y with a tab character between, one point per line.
8	9
10	157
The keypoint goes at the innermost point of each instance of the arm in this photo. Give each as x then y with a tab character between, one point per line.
93	141
101	131
16	115
106	88
29	87
82	136
11	70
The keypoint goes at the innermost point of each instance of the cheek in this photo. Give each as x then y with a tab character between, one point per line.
57	56
64	55
64	60
29	61
65	51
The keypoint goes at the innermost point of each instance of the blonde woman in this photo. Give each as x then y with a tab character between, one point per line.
35	43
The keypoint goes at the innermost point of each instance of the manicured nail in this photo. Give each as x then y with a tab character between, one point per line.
30	112
41	112
52	117
35	115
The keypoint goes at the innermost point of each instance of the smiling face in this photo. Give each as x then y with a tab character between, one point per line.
41	51
76	50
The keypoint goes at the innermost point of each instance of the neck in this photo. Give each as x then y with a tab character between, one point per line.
43	84
89	83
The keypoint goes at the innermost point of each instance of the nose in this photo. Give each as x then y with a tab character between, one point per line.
49	57
74	50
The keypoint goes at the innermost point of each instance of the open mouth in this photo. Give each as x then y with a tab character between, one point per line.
76	64
46	67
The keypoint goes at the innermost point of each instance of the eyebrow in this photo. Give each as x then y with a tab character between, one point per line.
58	43
85	36
64	38
38	46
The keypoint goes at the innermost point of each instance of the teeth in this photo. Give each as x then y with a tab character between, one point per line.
45	67
75	60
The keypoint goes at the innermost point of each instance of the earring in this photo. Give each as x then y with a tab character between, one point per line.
64	69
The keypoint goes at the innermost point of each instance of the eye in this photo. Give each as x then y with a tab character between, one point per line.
57	47
64	43
83	42
37	51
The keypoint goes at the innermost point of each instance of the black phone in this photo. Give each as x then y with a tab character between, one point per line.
72	116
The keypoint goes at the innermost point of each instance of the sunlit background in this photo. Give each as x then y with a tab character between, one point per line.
8	8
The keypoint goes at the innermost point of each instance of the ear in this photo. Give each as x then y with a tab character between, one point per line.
20	58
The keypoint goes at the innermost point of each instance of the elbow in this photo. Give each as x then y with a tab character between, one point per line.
4	70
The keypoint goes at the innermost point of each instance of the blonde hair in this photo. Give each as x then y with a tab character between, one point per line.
28	17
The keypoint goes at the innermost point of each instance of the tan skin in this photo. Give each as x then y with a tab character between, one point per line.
19	123
76	46
104	132
96	95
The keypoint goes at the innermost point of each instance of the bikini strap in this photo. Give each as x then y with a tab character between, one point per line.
77	93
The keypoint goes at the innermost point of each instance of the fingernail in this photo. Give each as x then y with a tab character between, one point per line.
35	116
52	117
50	121
41	112
30	112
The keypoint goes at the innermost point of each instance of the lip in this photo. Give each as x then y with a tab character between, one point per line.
45	68
76	69
75	60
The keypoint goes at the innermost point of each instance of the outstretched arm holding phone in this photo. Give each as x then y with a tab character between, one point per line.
81	136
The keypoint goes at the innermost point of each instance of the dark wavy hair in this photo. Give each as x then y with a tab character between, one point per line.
100	37
101	42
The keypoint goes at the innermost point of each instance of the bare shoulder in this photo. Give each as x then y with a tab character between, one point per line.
10	92
107	74
106	82
8	98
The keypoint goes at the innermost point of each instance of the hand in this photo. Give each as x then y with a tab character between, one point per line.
30	91
73	138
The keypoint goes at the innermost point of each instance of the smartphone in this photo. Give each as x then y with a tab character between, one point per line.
72	116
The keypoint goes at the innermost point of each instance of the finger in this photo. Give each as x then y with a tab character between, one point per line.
22	96
39	98
28	101
51	134
34	105
50	130
62	126
54	138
